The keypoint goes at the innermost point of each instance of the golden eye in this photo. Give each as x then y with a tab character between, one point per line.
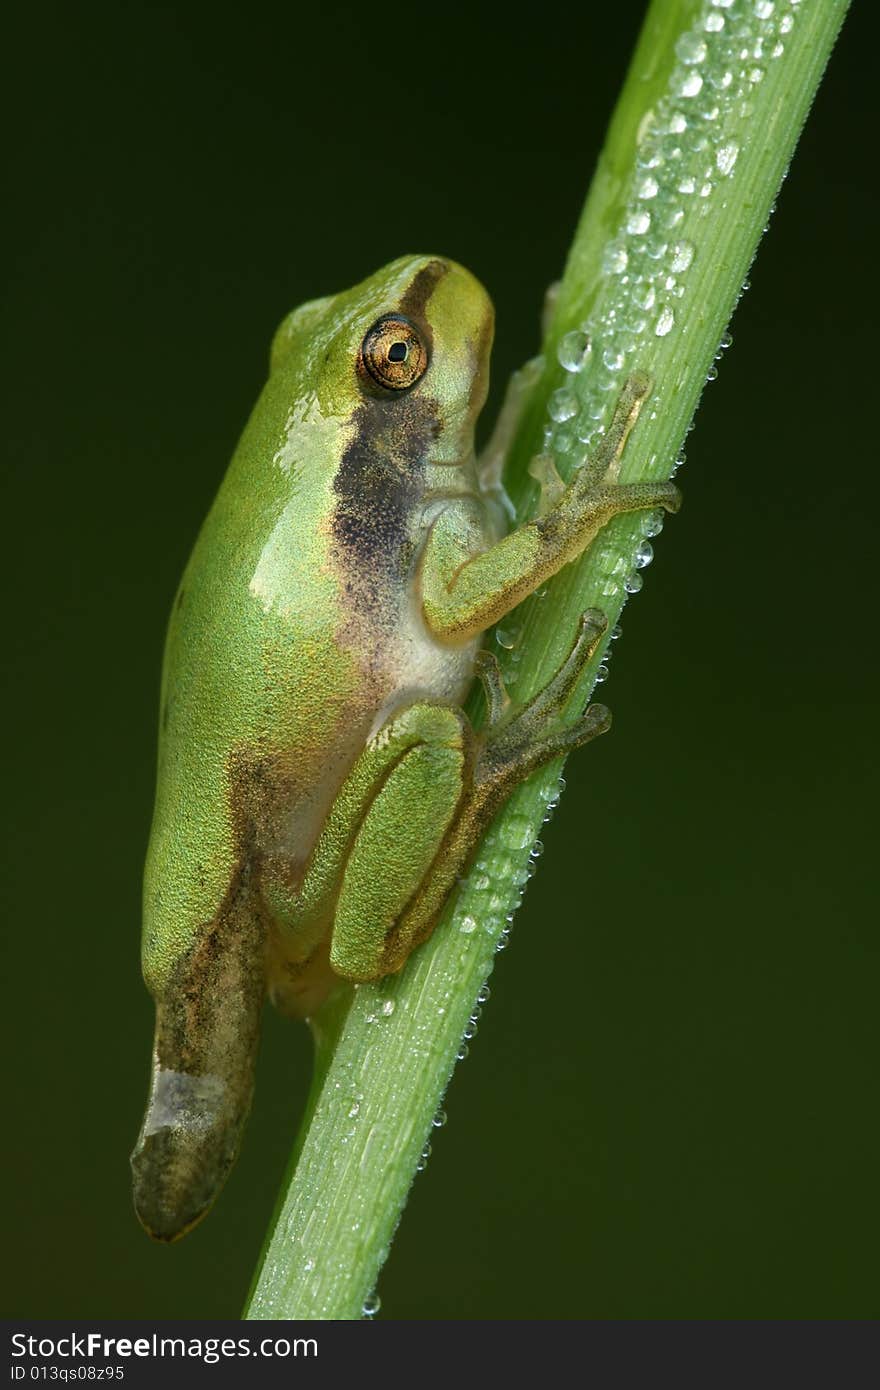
393	353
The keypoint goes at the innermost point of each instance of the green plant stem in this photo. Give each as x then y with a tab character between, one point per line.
707	121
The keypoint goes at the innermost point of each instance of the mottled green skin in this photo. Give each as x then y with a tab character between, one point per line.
319	787
295	633
268	668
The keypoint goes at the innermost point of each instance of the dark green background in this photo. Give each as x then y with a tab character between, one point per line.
670	1110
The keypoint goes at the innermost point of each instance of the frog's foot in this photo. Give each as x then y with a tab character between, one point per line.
520	739
596	480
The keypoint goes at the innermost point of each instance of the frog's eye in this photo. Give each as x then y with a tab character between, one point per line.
393	353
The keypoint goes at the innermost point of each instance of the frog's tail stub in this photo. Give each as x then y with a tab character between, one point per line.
185	1149
207	1033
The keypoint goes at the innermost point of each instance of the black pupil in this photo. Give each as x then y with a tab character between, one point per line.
397	352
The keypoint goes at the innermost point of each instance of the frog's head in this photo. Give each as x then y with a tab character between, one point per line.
411	344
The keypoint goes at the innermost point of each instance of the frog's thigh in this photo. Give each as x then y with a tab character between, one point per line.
396	845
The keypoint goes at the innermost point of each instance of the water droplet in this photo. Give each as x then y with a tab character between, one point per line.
519	832
756	75
638	222
712	374
506	637
633	582
616	632
653	525
468	924
691	49
309	1266
726	342
786	23
464	1049
644	555
387	1008
682	255
777	50
440	1119
371	1305
687	83
665	322
613	359
726	157
677	123
354	1110
615	259
573	350
483	994
687	185
644	296
602	674
562	405
764	8
647	188
537	850
714	23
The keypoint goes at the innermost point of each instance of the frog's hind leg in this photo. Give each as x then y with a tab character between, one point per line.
517	741
397	845
408	817
382	834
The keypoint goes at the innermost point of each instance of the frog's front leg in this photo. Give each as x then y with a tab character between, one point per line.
493	457
463	594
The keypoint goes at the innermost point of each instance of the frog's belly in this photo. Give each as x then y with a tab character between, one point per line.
407	668
415	667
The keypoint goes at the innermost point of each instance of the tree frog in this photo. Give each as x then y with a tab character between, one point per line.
319	785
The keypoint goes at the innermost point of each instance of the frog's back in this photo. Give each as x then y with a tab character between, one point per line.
296	627
250	664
